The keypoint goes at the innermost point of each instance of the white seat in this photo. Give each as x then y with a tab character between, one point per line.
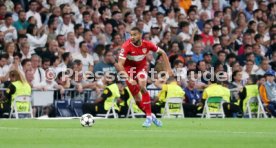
167	111
131	112
111	111
261	110
213	100
15	112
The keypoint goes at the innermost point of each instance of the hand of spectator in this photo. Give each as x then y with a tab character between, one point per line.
62	91
44	89
79	88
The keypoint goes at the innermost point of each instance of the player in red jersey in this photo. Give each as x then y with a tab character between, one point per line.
133	63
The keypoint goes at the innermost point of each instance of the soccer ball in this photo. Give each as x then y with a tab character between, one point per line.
87	120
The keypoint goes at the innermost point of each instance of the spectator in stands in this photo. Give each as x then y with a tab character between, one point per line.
36	38
25	51
10	33
52	28
61	41
10	50
80	77
67	61
268	92
208	39
46	63
78	33
67	25
22	38
84	56
197	49
108	64
71	43
4	68
39	74
51	52
98	53
263	67
21	24
273	61
192	103
26	65
33	5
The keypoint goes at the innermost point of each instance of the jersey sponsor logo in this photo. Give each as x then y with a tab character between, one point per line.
136	58
144	50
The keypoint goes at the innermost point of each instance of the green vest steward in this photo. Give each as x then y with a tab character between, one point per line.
251	91
173	90
21	89
115	93
215	90
136	109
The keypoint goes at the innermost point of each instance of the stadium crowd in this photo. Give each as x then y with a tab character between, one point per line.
237	38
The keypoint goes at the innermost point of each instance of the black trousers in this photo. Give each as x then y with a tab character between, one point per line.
191	110
231	110
94	109
5	108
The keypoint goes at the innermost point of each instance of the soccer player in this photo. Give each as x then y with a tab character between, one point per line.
133	64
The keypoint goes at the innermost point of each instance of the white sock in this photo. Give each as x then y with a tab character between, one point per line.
153	115
150	117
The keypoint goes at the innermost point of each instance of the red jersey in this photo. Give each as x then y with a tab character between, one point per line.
136	55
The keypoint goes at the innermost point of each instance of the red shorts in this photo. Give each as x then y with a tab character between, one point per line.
135	89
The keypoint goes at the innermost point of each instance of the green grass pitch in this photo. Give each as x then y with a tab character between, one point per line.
128	133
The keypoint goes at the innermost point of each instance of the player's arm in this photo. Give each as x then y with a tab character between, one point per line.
120	67
166	61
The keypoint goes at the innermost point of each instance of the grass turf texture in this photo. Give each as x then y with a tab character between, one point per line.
128	133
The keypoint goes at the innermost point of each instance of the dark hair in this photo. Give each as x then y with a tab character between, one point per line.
65	55
21	11
98	49
136	29
102	9
183	24
176	62
7	15
64	14
32	1
31	28
258	36
25	61
77	26
44	60
17	54
85	13
221	52
82	42
234	74
5	56
191	10
107	51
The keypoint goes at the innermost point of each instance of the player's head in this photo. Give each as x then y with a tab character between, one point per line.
136	35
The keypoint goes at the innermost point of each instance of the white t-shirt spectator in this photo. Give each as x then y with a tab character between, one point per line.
39	78
86	61
35	41
63	29
10	36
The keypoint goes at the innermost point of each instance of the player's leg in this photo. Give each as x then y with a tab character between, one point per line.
146	102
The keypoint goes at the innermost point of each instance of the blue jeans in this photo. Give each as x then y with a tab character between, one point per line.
272	108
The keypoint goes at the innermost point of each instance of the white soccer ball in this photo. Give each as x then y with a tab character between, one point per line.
87	120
